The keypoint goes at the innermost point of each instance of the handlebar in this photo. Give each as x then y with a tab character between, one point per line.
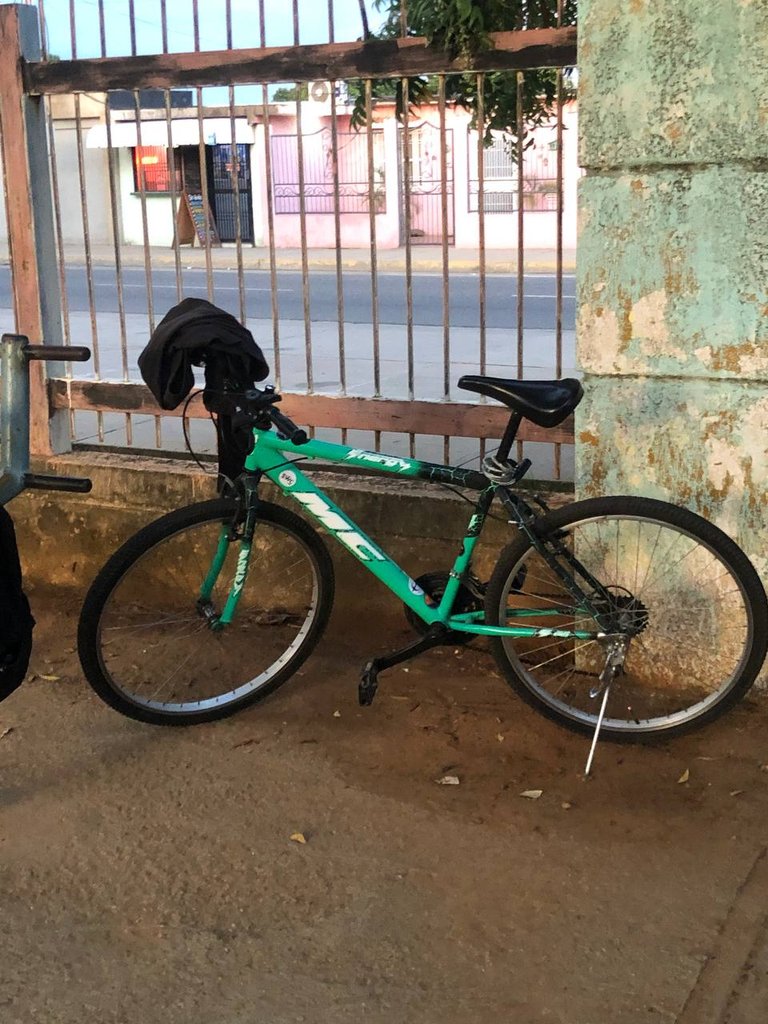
260	406
287	428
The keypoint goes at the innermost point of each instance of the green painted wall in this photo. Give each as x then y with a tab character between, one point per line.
673	257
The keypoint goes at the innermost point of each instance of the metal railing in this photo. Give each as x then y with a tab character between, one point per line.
15	356
361	336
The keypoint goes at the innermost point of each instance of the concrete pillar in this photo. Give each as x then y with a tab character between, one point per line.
673	257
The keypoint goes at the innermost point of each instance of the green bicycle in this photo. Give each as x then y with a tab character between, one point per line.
621	613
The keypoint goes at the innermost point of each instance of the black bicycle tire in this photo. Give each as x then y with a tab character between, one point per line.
151	535
674	515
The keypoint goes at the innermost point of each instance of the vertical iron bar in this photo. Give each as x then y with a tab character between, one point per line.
444	233
164	25
176	199
235	174
303	216
559	267
270	212
132	25
147	253
115	220
374	254
303	237
408	253
337	224
86	224
203	163
88	254
61	260
482	283
520	237
144	217
337	235
407	222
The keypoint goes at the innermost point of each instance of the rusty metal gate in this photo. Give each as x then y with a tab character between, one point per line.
372	343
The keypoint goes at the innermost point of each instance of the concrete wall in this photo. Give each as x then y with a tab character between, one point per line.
96	184
673	257
64	539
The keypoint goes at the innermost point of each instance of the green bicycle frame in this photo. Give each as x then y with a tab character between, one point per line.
271	457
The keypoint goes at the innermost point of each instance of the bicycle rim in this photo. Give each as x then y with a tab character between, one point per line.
156	648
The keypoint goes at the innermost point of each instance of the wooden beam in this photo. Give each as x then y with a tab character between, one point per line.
454	419
374	58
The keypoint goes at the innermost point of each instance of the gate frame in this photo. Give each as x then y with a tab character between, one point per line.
25	79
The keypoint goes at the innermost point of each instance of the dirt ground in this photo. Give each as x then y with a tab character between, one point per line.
148	875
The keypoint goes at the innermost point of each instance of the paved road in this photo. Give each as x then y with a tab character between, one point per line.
539	358
539	296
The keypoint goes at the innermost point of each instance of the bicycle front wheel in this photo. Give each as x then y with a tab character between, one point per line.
689	593
145	638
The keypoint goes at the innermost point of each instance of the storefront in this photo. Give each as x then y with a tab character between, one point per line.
165	175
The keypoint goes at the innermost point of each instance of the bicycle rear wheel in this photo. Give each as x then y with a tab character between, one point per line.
695	597
145	641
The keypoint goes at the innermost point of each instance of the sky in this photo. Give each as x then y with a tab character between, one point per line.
313	24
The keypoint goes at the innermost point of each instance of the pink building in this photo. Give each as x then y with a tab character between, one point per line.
426	188
143	154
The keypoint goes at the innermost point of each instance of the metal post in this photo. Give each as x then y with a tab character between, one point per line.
31	234
14	421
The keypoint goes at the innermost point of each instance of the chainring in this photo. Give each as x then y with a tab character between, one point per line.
433	584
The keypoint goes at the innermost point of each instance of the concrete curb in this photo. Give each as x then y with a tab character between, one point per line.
325	264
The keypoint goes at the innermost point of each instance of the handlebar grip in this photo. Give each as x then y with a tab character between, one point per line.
46	482
64	353
287	428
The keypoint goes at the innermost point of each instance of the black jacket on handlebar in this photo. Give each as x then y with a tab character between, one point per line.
197	333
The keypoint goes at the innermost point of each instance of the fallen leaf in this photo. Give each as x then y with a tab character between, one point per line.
684	777
736	792
51	679
298	837
337	714
532	794
566	805
245	743
8	729
448	780
499	737
764	767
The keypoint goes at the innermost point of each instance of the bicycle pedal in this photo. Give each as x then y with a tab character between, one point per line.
368	685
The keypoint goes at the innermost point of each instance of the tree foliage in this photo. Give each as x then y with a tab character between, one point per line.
286	93
462	29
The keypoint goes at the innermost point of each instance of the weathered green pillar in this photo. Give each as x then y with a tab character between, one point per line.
673	257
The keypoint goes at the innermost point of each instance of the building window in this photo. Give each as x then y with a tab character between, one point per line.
319	189
501	189
151	171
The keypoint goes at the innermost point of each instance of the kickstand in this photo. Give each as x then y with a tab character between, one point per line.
606	691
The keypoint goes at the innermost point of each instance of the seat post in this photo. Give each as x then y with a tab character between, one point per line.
509	436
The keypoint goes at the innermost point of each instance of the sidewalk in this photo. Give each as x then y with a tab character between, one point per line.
151	874
425	258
